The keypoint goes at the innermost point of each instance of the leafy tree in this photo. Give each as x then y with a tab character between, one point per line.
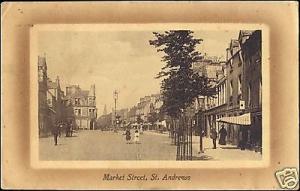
153	117
139	119
180	85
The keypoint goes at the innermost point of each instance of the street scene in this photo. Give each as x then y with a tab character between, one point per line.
150	95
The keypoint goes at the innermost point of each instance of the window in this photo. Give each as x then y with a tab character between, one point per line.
41	75
240	85
77	112
77	101
224	93
241	58
231	88
231	65
260	94
249	94
91	101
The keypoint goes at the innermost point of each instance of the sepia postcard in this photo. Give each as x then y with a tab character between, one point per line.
151	105
103	95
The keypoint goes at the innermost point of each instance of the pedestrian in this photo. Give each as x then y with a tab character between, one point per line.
127	136
213	136
141	129
71	128
55	132
223	134
60	127
203	133
136	136
243	137
67	129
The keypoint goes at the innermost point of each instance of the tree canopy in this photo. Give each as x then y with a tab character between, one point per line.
180	84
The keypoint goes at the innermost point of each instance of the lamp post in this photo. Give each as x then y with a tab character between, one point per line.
115	94
199	122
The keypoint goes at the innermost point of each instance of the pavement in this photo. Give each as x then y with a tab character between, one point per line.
222	152
107	145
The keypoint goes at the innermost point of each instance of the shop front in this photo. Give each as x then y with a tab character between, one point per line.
244	130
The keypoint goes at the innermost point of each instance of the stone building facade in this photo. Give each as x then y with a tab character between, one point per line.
51	106
239	93
82	106
43	120
252	83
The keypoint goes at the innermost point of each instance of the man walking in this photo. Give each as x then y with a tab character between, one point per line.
55	132
67	129
71	128
213	136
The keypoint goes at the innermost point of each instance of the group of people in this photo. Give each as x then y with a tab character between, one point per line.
243	137
57	129
214	136
136	138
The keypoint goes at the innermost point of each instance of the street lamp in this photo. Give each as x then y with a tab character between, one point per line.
115	95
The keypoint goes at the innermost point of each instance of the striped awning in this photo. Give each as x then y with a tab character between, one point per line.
244	119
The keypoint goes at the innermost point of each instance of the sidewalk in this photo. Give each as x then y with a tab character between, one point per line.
222	152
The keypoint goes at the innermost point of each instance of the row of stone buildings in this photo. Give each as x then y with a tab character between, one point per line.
146	111
238	102
77	106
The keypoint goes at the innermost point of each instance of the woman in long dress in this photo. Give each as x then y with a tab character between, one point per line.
223	134
127	136
136	136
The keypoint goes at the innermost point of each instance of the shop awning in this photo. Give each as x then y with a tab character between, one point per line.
244	119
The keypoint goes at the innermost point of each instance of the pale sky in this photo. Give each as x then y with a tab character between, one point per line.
121	60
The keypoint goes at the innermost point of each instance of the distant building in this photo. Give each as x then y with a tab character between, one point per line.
147	105
143	107
43	116
132	114
83	104
209	108
50	100
57	105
